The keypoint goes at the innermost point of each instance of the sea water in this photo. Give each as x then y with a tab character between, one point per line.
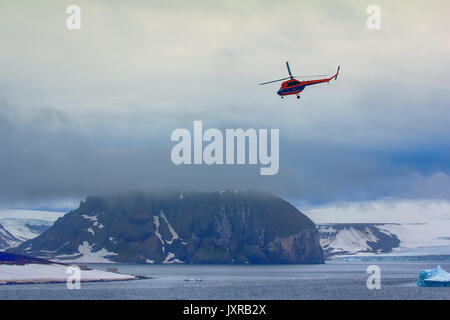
333	280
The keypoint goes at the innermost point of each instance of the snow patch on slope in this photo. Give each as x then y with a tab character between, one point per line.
171	259
90	230
172	231
86	255
38	273
156	223
93	257
91	218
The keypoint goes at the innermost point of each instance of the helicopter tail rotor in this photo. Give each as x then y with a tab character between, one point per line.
337	72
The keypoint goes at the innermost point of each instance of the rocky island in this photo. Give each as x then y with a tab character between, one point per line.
224	227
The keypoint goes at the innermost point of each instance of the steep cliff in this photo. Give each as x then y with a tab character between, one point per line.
191	227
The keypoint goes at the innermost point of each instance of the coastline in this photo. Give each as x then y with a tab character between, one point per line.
35	273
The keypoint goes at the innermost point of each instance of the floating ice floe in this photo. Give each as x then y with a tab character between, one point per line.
434	278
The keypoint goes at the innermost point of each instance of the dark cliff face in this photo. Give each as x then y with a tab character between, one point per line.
191	227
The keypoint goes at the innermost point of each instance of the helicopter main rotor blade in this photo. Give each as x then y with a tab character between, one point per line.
274	81
289	69
315	75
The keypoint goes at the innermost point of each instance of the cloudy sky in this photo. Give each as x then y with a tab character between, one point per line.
92	110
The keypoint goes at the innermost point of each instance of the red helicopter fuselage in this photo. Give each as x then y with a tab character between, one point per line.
293	86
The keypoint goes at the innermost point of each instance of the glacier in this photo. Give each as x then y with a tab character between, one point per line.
402	228
17	226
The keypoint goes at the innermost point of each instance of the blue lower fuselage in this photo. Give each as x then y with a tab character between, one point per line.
290	90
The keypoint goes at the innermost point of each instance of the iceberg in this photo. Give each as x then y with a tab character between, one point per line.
434	278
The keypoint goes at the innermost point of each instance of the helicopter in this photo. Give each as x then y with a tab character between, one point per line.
293	86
